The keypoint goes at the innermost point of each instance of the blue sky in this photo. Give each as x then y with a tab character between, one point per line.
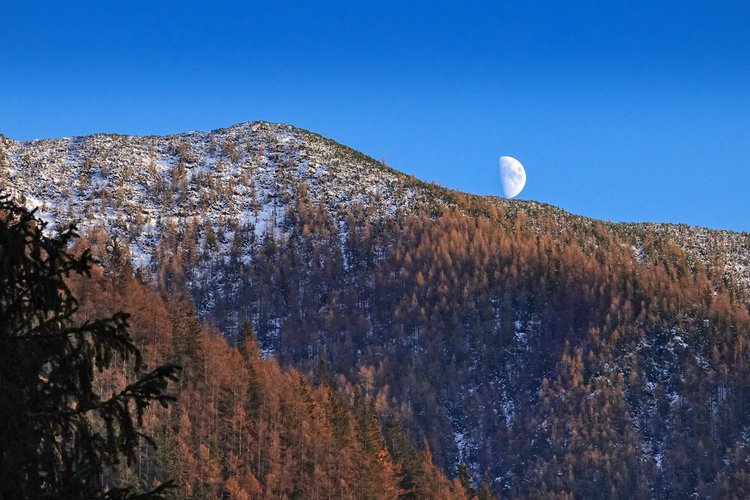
620	110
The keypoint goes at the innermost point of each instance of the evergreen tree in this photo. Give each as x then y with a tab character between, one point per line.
485	489
58	436
464	477
247	342
187	340
403	453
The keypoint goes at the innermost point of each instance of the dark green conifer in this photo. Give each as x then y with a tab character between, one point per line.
485	489
464	476
58	436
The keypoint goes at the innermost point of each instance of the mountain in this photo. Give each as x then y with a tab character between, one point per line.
133	186
560	354
243	175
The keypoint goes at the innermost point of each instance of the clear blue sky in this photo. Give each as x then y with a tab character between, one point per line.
621	110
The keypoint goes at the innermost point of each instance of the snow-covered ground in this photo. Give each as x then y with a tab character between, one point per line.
136	186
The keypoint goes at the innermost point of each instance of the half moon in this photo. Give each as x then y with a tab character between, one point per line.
512	176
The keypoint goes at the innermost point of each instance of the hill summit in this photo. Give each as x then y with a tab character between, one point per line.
242	174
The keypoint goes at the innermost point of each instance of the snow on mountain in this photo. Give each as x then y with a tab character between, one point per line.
134	186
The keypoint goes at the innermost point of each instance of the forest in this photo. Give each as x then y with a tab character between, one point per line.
344	330
230	424
552	357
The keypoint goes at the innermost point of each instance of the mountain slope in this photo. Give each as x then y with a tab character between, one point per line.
559	353
242	174
237	173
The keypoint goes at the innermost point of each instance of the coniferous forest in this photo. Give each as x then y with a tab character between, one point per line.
102	403
450	346
557	362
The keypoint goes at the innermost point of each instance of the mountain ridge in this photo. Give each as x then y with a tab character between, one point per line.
8	142
245	126
324	164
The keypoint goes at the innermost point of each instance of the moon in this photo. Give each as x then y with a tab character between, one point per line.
512	176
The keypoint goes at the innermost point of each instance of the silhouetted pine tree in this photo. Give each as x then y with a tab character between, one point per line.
58	436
